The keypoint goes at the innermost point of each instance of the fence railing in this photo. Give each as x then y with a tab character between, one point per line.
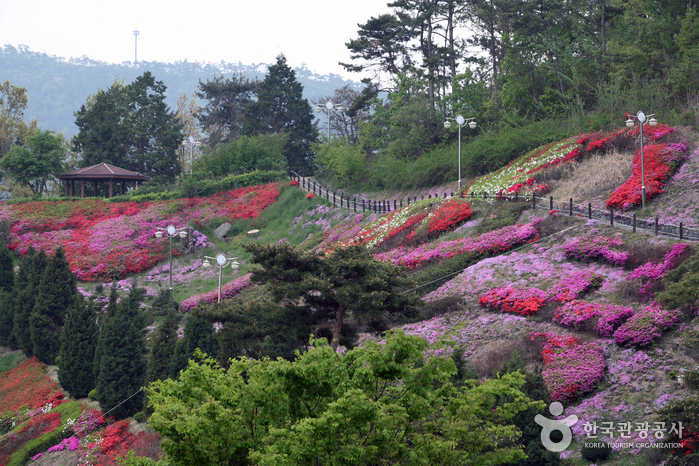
653	225
346	201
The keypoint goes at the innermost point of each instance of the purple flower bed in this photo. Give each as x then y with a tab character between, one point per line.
228	290
589	248
574	285
655	272
70	443
645	326
487	243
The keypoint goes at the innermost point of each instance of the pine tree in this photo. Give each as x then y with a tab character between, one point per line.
31	270
108	313
198	333
78	342
55	295
7	298
164	342
7	272
123	364
280	107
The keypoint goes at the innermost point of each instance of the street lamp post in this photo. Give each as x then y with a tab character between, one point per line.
461	122
171	232
640	120
221	262
329	107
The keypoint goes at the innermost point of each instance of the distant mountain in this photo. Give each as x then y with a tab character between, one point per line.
57	87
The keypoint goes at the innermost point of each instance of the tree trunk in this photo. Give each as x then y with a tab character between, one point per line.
337	328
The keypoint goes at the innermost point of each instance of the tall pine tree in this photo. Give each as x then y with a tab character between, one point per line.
280	107
164	342
108	313
55	294
78	342
7	298
123	364
198	333
31	270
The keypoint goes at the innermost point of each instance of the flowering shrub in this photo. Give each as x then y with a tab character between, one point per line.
589	248
310	196
450	214
575	313
645	326
525	301
659	160
104	240
228	290
655	272
571	368
89	421
294	183
486	244
71	444
574	285
27	386
115	442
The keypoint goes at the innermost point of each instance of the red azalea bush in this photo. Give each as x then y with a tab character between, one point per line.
449	214
310	196
294	183
103	240
116	441
27	386
524	301
659	160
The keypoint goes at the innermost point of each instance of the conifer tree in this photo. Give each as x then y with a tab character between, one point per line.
7	299
164	342
198	333
123	364
281	108
55	294
107	314
31	270
78	342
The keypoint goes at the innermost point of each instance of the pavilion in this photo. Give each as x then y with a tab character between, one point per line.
102	172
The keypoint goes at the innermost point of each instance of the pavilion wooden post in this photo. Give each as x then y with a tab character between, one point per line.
67	190
111	188
134	185
82	190
95	188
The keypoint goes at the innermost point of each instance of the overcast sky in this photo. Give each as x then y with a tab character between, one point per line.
310	32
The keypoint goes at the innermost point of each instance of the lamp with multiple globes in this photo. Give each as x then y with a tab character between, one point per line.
461	122
640	119
221	261
171	231
329	107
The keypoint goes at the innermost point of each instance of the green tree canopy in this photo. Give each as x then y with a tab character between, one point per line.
348	281
246	154
380	404
78	342
54	295
132	127
37	162
280	107
27	282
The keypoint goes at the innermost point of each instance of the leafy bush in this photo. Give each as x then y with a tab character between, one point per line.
682	285
92	395
246	154
601	451
500	215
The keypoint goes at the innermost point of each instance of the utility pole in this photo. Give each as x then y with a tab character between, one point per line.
135	54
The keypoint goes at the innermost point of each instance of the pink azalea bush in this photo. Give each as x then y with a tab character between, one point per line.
595	247
577	312
653	272
574	285
486	244
645	326
228	290
571	368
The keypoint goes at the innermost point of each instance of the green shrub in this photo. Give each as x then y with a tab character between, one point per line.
92	395
500	215
682	285
598	452
139	416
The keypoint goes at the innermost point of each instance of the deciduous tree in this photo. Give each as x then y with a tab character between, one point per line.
37	162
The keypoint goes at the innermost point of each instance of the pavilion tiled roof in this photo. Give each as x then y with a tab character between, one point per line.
103	171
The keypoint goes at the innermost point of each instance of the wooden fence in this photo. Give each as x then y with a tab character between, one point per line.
579	210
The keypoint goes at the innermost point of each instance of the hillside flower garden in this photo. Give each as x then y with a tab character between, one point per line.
104	241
